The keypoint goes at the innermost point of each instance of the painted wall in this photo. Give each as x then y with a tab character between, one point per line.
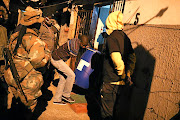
164	12
156	41
103	14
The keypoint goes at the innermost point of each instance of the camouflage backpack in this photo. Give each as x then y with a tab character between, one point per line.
28	54
3	40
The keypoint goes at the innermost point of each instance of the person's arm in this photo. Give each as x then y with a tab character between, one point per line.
115	55
39	54
118	62
131	64
131	60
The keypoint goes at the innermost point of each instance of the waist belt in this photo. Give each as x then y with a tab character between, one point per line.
25	72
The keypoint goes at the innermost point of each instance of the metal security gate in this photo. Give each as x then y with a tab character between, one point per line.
118	5
83	22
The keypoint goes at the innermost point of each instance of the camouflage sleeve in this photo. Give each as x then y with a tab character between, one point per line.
39	54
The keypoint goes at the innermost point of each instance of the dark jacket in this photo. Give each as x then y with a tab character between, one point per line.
118	41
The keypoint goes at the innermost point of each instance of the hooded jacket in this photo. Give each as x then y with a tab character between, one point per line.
119	56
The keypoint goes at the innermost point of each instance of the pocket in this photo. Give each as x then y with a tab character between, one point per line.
32	84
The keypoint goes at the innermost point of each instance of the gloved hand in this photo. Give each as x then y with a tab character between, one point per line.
128	79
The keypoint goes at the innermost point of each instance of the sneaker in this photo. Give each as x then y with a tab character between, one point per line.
60	103
68	99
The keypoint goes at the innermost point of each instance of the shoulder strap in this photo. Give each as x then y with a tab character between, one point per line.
56	42
19	39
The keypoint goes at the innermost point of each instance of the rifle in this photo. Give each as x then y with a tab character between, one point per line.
8	58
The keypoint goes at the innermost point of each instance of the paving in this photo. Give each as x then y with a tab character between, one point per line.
46	109
75	111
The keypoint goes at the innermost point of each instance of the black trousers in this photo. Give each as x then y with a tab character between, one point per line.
115	102
108	99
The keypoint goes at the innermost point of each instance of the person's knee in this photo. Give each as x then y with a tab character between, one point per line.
72	76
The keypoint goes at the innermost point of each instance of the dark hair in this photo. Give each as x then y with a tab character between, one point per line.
84	39
63	17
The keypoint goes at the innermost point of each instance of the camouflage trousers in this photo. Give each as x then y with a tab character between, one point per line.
31	85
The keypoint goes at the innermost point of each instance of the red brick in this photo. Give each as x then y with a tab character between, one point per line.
79	107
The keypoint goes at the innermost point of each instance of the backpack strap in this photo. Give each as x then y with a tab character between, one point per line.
19	39
25	72
28	67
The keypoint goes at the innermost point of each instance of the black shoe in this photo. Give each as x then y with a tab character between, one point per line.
60	103
68	99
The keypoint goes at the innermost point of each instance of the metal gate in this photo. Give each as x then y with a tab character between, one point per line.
118	5
83	22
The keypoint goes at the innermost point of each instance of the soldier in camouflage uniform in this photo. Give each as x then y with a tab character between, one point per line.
32	54
48	32
3	43
3	36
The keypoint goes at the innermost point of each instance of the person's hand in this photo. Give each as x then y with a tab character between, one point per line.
66	29
128	79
